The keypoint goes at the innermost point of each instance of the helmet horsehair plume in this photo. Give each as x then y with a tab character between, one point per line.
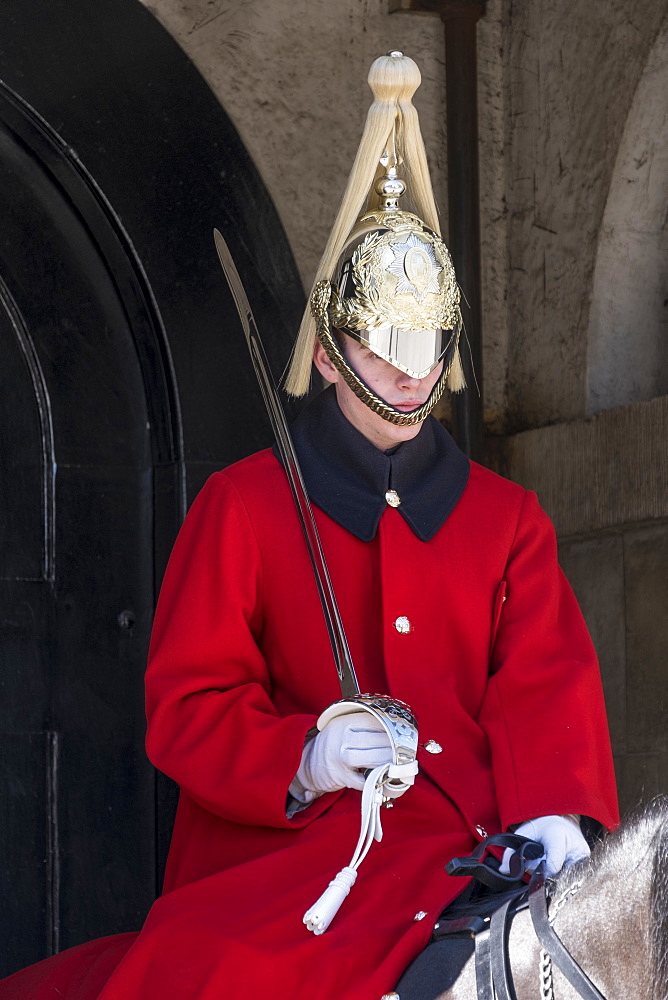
392	123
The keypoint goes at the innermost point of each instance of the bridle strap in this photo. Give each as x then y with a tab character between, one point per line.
483	966
492	961
498	939
553	944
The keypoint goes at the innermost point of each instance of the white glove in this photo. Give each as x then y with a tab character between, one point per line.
337	757
561	838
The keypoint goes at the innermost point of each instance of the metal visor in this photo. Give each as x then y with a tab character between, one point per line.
415	352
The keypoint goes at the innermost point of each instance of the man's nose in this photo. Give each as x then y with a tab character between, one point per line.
408	380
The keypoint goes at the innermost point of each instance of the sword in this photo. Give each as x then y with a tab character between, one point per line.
395	716
344	665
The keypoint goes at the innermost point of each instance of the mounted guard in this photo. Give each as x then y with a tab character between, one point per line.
437	578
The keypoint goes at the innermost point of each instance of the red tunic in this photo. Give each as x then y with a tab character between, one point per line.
498	668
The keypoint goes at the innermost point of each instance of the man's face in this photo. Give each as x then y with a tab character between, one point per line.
401	391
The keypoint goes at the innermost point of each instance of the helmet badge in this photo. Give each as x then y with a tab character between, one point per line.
416	267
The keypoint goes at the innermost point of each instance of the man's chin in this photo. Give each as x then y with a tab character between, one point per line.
401	432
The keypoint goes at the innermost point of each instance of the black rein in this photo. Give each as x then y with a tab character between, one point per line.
553	944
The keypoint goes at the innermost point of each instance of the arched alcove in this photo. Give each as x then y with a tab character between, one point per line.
126	382
627	358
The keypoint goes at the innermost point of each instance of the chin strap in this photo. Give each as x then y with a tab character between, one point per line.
320	915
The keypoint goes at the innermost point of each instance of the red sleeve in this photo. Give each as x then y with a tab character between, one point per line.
544	713
211	724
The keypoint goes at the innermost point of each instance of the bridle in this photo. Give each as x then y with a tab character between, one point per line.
490	934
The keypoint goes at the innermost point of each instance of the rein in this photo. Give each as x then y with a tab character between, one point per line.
552	944
492	960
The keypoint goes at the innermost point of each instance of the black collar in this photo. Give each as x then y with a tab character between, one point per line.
347	476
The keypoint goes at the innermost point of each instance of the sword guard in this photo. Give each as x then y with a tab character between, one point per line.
394	715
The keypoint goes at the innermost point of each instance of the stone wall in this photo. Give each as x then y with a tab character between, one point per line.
627	357
573	70
604	482
621	583
291	74
586	159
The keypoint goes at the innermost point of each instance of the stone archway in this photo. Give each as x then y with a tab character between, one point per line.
627	358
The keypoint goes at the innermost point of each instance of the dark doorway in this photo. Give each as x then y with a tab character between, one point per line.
125	383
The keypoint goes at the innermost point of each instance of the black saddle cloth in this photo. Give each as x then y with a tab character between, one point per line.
438	967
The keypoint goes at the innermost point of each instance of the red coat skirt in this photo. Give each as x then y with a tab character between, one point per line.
497	666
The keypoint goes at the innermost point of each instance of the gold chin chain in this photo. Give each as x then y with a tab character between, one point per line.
319	306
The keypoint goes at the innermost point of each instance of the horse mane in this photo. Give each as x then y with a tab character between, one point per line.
659	911
643	834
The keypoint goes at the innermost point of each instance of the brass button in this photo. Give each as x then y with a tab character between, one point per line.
393	498
431	746
420	915
481	831
403	625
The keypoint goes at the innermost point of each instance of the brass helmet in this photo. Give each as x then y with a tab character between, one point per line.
388	280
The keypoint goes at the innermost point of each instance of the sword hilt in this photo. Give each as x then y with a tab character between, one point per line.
394	715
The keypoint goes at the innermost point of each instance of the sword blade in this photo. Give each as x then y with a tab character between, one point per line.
337	636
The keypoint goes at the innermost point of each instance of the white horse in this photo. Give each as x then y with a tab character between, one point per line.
610	912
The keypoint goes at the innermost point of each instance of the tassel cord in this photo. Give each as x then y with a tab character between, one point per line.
321	914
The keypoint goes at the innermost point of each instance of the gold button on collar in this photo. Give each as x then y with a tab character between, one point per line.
393	498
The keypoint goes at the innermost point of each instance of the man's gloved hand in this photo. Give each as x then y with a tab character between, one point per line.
337	757
561	838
